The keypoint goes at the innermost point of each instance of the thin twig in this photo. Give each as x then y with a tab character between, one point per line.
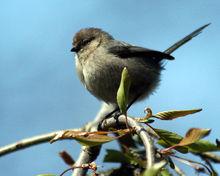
66	171
178	170
211	156
191	163
91	166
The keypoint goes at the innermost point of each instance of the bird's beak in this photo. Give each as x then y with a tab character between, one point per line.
73	49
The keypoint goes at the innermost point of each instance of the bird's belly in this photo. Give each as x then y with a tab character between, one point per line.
102	83
103	80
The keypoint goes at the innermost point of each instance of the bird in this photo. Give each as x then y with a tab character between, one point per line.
100	59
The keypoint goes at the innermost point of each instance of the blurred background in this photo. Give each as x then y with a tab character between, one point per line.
39	89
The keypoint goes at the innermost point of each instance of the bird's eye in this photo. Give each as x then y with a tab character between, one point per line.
82	44
86	41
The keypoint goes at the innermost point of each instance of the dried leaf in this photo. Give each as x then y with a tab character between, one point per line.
169	139
123	91
193	135
68	134
173	114
89	138
155	169
67	158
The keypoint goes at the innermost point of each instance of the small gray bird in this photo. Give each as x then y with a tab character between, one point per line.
100	60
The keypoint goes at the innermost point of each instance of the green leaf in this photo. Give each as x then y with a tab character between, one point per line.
123	91
165	172
119	157
115	156
144	120
169	139
203	146
94	140
173	114
155	169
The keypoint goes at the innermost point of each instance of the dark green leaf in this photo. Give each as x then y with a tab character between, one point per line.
128	157
217	141
115	156
169	139
149	121
172	166
203	146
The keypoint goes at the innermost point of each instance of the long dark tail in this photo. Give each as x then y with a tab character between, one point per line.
185	39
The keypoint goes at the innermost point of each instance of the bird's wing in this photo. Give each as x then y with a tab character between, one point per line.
124	50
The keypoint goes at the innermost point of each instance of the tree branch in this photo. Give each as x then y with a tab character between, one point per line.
29	142
25	143
89	154
143	134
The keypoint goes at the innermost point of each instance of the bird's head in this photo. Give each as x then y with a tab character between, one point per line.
87	37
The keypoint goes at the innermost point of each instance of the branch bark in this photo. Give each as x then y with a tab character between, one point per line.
25	143
29	142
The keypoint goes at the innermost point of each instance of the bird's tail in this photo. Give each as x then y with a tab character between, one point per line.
185	39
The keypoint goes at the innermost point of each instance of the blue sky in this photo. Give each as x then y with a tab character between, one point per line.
40	91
